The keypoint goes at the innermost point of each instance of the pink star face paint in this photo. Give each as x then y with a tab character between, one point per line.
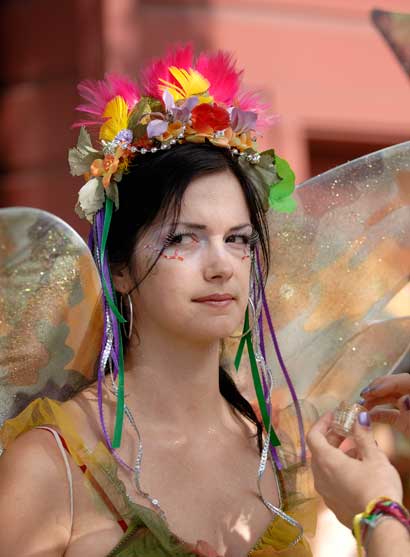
185	241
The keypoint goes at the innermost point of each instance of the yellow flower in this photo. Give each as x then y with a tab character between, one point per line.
116	112
190	84
173	131
242	141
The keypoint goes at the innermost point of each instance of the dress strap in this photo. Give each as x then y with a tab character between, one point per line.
96	485
60	445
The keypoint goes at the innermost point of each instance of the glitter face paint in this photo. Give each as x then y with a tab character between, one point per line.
186	241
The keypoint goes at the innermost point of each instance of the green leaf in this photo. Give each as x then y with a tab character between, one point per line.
84	139
267	158
142	107
280	192
261	174
139	131
91	199
284	205
286	175
112	193
155	104
81	157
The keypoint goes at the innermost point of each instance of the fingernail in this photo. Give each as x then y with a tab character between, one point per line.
407	402
367	390
364	419
361	401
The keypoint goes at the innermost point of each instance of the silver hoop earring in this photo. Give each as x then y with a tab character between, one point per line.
130	315
252	320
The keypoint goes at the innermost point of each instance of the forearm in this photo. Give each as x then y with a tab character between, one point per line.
388	539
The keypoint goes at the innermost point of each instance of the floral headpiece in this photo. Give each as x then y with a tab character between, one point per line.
180	100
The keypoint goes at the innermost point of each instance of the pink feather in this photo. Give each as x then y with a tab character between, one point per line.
98	93
219	69
178	55
251	100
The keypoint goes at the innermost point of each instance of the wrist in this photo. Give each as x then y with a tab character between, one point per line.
386	527
373	515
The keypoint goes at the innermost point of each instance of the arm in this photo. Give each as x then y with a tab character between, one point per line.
347	484
34	500
389	538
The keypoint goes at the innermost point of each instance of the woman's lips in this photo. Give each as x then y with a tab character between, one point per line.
216	300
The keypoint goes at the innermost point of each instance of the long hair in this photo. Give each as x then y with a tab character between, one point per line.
154	186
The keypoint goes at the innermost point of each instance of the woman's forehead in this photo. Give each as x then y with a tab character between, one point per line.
214	197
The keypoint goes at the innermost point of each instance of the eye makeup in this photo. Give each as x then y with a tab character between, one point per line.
187	239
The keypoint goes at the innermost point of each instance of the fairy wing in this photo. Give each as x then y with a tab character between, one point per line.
50	309
395	29
339	291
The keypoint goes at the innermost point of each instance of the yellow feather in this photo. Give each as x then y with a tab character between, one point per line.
190	83
117	113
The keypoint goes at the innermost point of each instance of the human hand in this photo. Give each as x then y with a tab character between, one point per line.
347	483
392	389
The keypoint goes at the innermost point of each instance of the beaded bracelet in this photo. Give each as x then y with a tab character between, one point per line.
375	510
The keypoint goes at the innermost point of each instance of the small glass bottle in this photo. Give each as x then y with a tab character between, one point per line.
345	416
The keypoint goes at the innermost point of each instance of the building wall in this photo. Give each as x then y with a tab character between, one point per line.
47	47
323	67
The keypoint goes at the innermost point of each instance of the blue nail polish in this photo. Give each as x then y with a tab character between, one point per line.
361	401
364	419
367	390
407	402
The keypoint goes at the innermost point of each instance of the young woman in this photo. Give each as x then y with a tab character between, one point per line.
187	246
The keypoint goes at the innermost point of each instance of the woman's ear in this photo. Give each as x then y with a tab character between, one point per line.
121	278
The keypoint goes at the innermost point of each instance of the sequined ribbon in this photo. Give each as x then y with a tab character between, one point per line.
117	350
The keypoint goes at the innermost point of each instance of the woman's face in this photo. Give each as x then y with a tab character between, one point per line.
198	288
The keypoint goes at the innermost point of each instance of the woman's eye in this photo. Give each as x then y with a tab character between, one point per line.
180	240
239	239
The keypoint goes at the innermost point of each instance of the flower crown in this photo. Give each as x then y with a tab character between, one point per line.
180	100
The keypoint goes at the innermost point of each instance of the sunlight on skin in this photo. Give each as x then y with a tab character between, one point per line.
332	538
242	528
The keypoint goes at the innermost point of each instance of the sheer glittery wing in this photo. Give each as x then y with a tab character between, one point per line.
339	291
395	29
50	310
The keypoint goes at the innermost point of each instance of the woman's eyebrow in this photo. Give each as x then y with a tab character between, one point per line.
196	226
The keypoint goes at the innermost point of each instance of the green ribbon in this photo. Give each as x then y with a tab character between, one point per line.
119	414
247	338
119	411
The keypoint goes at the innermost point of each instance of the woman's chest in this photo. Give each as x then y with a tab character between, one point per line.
217	502
210	499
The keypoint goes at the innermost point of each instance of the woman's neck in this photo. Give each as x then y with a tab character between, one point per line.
175	381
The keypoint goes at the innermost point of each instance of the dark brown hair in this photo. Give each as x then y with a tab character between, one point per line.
155	185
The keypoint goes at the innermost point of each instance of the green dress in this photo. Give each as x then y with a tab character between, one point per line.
145	532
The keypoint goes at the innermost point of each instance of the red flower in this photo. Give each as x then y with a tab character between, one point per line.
208	118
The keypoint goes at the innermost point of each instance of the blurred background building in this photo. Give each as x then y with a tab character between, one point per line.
321	64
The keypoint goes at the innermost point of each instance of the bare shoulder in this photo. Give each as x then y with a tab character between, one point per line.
34	502
83	409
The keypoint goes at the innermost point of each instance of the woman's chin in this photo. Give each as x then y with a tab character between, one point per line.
218	332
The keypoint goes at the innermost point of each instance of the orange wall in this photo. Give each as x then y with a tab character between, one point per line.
320	63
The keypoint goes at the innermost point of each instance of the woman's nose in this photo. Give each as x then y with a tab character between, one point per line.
217	263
